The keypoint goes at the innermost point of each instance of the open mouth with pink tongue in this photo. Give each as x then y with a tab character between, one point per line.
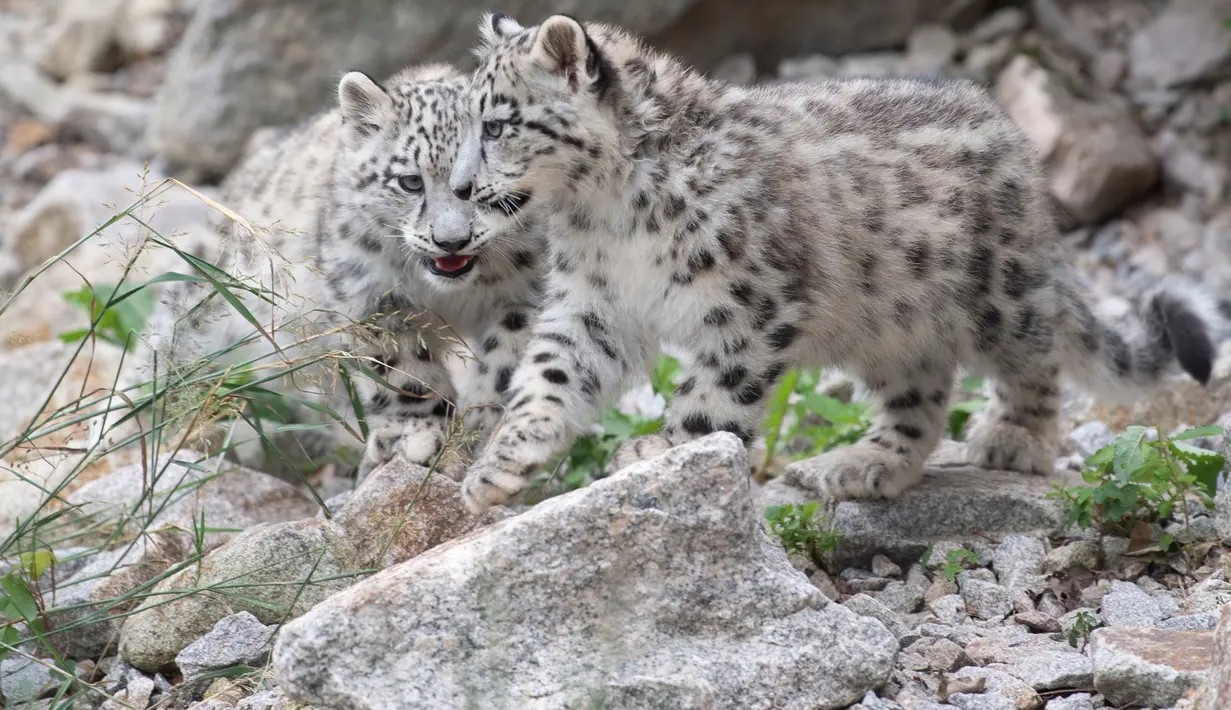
452	266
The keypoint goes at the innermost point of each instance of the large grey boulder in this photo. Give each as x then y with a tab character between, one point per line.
656	587
244	64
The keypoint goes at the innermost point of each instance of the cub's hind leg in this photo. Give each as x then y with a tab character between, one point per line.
912	407
1018	427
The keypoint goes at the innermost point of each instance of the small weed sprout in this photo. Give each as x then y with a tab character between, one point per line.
1083	624
799	529
956	561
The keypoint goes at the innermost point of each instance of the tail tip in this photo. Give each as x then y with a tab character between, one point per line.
1190	338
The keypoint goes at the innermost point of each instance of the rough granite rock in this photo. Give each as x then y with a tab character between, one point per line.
23	679
656	587
1018	561
235	499
985	600
1126	605
954	502
1217	688
266	566
90	620
1098	158
1185	42
237	639
1076	701
1000	683
1149	667
932	654
982	701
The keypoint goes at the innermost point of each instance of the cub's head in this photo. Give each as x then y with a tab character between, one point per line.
543	120
399	143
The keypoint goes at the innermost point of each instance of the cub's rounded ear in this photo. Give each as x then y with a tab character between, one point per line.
494	26
562	48
365	106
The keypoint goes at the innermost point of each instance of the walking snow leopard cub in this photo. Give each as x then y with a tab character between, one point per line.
364	227
895	228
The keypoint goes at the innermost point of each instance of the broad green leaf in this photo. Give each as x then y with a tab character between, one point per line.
1130	454
832	409
1103	456
20	597
36	563
1203	465
1198	433
1165	540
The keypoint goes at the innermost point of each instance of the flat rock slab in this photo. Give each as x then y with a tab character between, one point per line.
955	501
656	587
1149	667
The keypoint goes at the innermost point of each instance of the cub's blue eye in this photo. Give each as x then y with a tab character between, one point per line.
493	129
411	183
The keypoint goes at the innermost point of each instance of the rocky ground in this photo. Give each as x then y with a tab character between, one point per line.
197	583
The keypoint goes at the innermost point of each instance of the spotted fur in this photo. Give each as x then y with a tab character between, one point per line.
354	212
894	228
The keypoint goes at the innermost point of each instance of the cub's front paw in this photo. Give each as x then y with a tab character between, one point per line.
860	470
490	483
639	449
416	441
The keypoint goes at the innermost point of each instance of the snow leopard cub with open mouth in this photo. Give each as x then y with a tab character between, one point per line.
358	224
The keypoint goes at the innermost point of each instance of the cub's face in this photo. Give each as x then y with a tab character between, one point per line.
537	122
400	143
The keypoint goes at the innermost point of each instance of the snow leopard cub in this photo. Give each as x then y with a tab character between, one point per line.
357	223
894	228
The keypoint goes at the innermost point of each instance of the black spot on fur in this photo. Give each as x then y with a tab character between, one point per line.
555	376
988	324
514	321
697	424
919	257
503	378
908	431
490	344
909	399
717	317
979	268
686	386
783	336
732	377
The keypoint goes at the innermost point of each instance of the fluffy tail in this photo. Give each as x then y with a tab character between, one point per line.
1174	322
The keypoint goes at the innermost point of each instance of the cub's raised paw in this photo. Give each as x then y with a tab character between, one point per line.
639	449
999	445
490	483
860	470
417	441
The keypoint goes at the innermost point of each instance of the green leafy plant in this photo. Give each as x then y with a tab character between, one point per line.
800	530
115	316
786	421
956	561
1083	624
1135	479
